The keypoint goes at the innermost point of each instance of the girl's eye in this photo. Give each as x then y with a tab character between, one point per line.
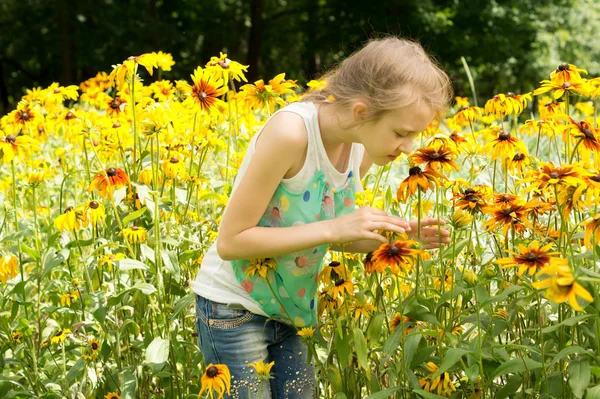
400	134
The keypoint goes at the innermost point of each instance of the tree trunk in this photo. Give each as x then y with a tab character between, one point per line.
256	8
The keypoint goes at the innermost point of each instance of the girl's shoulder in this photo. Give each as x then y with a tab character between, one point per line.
288	127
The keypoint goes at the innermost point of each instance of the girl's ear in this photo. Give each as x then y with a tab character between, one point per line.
359	111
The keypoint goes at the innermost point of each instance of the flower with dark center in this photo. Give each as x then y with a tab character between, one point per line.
566	85
68	209
554	175
588	133
510	94
504	135
399	257
174	160
25	116
56	91
116	125
212	371
563	67
415	170
94	205
110	172
519	157
10	139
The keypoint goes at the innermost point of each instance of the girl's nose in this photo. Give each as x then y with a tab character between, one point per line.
406	147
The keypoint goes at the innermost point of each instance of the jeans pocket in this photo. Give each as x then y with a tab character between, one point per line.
220	315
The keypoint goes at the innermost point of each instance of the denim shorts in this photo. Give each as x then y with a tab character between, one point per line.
236	337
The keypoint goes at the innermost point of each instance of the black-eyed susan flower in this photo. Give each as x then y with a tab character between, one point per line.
473	199
282	86
418	179
561	286
8	267
57	94
259	96
586	133
531	258
204	95
460	219
164	61
115	106
550	175
514	216
94	346
401	256
333	271
328	302
342	286
503	144
94	212
122	71
362	308
263	371
112	395
566	73
216	379
14	147
518	163
306	332
467	116
559	89
109	260
591	225
107	182
441	385
60	336
17	336
70	220
260	266
67	298
224	67
174	167
135	234
435	157
25	117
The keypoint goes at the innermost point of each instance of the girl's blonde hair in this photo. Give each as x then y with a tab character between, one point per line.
388	73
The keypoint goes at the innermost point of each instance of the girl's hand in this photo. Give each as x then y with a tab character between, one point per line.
363	224
430	236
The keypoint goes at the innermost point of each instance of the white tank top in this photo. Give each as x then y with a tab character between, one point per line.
215	279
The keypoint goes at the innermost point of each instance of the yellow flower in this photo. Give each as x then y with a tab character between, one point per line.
94	212
60	336
591	225
164	61
108	181
560	285
110	259
223	66
217	379
566	73
316	85
532	258
122	71
135	234
263	371
204	95
8	267
65	299
13	147
94	345
174	167
260	266
70	220
17	336
112	395
360	309
443	384
342	285
306	332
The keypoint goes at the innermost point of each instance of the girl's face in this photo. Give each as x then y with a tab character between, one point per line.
386	138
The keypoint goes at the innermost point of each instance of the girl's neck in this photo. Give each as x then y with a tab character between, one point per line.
332	134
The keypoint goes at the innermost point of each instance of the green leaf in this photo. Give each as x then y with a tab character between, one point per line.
360	346
386	393
516	366
452	356
158	351
427	395
392	343
76	370
181	304
571	321
579	376
569	350
146	288
374	330
593	393
128	384
133	216
410	347
130	264
503	296
342	345
512	385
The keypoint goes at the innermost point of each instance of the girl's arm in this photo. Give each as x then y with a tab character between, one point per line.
280	146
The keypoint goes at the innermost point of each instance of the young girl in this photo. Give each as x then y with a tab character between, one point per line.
293	199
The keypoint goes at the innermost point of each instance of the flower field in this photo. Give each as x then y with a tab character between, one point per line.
112	191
